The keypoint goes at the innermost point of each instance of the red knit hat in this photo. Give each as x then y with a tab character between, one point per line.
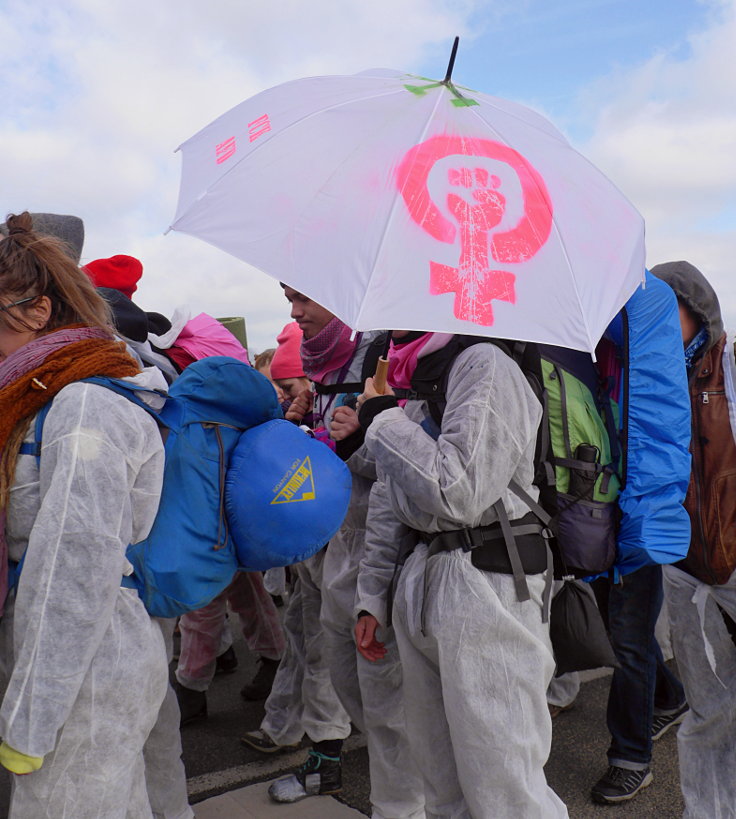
118	272
287	360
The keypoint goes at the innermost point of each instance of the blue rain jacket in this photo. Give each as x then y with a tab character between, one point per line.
655	411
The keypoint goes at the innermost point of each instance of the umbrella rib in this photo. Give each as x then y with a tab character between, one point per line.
390	218
558	234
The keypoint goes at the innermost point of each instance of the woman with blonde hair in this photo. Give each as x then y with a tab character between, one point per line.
84	664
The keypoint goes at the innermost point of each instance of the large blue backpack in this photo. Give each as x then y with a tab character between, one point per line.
242	489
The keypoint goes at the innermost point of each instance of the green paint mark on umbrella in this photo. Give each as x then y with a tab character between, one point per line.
421	90
464	102
459	100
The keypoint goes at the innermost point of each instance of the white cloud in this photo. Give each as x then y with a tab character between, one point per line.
666	136
96	97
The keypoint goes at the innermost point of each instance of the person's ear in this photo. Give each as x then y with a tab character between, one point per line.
39	313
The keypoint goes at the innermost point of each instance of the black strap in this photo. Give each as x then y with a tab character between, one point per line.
370	361
522	587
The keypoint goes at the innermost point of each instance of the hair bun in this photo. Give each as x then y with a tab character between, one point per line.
20	224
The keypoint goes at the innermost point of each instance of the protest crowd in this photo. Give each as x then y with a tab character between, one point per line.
511	514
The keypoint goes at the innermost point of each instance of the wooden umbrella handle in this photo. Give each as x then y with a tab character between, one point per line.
379	379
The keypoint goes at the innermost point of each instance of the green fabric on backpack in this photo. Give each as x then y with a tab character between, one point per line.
574	418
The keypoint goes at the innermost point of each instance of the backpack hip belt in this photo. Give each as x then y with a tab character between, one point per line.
515	547
488	549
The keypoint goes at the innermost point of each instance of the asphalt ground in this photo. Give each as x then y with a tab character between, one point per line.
216	761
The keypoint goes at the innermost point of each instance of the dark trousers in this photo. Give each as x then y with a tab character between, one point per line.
643	682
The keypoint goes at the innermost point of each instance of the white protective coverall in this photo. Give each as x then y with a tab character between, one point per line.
475	680
370	692
166	779
302	698
706	660
85	665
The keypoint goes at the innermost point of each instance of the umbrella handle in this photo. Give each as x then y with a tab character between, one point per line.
379	379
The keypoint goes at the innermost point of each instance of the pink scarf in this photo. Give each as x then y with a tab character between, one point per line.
328	351
402	358
27	358
33	354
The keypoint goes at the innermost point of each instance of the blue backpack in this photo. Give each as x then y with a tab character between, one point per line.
243	488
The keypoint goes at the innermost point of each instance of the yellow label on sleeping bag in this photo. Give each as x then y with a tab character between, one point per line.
296	485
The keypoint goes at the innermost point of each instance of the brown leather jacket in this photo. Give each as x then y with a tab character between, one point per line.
711	496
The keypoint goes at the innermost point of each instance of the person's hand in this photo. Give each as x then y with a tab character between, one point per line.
365	638
344	423
18	763
370	391
300	406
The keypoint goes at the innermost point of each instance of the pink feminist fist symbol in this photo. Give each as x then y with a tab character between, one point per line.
474	283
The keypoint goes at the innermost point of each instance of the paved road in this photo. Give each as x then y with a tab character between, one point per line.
216	762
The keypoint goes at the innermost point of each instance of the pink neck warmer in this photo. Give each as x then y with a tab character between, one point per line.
402	358
328	351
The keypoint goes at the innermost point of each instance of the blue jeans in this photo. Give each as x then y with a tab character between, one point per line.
643	682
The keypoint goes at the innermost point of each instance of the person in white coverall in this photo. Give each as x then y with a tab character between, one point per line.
370	692
476	660
84	665
302	698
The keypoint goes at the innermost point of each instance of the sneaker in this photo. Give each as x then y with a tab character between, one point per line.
661	723
227	662
319	775
192	704
619	784
260	686
261	741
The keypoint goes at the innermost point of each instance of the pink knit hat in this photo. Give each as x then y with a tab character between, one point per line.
287	360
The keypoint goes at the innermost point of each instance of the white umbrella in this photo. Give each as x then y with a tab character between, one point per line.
399	202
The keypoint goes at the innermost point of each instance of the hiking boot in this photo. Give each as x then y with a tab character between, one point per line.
192	704
319	775
260	686
661	723
619	784
261	741
227	662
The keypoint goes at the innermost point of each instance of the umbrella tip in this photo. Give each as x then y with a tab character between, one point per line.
451	64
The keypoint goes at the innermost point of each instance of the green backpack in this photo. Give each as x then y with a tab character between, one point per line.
583	450
577	454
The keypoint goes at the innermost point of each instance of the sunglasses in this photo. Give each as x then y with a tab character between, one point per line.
6	307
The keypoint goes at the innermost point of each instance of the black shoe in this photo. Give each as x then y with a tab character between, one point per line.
227	662
260	741
260	686
661	723
192	704
319	775
619	784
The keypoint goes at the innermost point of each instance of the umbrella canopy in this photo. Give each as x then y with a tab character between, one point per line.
400	202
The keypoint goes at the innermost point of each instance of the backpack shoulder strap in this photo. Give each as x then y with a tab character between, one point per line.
372	354
124	388
118	385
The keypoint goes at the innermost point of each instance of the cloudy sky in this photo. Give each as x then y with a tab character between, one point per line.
97	95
